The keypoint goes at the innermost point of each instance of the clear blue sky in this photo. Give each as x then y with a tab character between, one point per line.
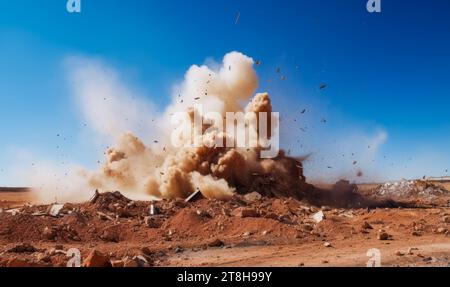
389	70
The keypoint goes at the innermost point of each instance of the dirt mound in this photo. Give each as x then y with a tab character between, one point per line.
109	200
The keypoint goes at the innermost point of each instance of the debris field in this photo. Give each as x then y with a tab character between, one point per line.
251	229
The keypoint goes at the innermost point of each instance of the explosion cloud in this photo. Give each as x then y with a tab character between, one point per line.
159	169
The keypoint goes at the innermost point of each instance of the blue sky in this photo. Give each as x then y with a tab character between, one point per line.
385	72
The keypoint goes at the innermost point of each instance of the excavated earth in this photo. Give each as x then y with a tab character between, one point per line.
334	226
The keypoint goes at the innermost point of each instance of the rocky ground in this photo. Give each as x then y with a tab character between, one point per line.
334	227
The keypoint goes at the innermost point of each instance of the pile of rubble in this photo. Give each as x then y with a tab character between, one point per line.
411	189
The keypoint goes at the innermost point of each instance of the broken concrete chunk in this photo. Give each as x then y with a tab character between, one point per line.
318	216
153	210
194	196
95	197
55	209
13	211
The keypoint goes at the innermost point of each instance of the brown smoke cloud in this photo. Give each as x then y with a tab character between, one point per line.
217	172
156	168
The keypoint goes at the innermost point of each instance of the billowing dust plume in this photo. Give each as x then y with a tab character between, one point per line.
158	169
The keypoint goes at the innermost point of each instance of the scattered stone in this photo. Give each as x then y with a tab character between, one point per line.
130	263
446	219
111	233
244	212
366	225
215	243
96	259
146	251
203	214
383	235
327	244
141	261
441	230
44	257
308	227
411	249
151	222
326	208
253	196
416	233
13	211
271	215
399	253
49	233
117	263
22	248
318	216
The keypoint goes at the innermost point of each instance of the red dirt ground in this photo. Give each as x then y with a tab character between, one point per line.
277	232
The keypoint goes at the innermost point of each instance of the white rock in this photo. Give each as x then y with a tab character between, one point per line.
318	216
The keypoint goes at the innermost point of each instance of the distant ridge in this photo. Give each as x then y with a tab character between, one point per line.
14	189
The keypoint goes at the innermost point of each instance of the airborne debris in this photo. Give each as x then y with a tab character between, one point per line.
238	17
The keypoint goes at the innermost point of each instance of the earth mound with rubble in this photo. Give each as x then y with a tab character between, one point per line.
112	230
412	190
